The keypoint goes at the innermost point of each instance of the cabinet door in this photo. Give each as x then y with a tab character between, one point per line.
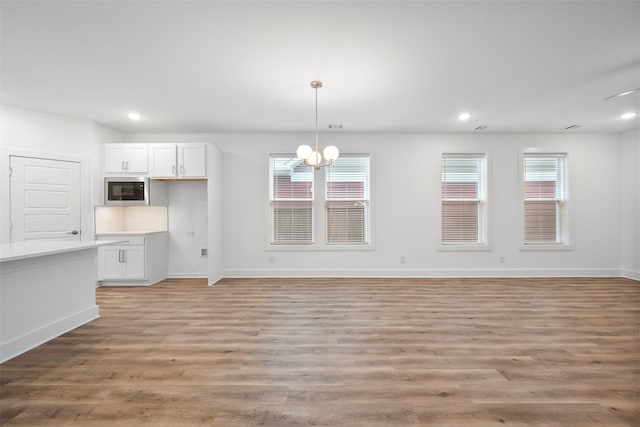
114	158
136	158
134	263
110	266
192	160
162	160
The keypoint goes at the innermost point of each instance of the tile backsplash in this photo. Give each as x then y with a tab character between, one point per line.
111	219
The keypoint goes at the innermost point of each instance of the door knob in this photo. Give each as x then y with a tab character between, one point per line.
74	232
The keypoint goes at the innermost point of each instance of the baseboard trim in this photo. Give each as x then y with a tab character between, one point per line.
424	273
214	281
629	274
187	276
26	342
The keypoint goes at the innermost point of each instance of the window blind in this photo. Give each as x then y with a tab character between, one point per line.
463	180
544	198
291	198
347	200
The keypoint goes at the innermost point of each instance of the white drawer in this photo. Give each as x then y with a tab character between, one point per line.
126	239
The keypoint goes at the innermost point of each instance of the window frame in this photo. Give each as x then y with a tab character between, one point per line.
485	205
568	222
319	212
273	200
366	200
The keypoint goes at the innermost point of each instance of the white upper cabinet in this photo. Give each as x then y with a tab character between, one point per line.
125	159
177	160
192	160
162	160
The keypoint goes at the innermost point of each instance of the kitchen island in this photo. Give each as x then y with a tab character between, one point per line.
47	288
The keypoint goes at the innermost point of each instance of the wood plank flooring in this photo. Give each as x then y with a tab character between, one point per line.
341	352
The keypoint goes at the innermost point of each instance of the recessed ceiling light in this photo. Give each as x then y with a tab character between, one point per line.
464	116
134	115
627	116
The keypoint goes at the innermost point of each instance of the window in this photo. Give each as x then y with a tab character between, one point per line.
333	202
544	199
291	199
464	196
347	200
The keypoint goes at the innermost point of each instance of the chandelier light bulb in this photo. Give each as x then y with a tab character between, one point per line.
331	153
315	159
304	152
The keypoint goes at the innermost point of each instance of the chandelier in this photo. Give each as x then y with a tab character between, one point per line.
312	157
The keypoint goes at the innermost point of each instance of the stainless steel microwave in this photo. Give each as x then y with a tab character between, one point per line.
127	191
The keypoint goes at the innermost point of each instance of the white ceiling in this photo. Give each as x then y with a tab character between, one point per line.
387	66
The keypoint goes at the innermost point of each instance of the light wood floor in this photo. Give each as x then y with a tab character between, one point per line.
342	352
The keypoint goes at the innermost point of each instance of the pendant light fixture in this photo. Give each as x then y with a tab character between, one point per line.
312	157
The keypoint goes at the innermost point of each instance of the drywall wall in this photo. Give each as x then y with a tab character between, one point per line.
630	204
216	221
27	132
188	230
405	198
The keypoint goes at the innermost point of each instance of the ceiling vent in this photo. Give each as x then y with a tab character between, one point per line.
335	126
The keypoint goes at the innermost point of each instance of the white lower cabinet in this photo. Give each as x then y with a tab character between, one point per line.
121	263
139	259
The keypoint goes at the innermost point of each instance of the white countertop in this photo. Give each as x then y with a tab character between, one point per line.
128	233
36	248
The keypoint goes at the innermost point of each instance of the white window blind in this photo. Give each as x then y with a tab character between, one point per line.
291	198
347	200
544	199
463	179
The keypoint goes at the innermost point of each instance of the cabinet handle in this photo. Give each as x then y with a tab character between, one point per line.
119	255
124	255
122	167
127	163
181	169
173	170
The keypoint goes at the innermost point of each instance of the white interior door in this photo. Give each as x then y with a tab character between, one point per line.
45	199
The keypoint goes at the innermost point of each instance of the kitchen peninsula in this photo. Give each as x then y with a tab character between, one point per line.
47	288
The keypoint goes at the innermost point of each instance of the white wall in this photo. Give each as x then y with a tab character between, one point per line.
216	220
28	132
405	199
406	203
630	204
188	229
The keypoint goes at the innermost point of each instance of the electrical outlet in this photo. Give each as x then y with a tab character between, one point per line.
502	259
204	252
271	260
403	260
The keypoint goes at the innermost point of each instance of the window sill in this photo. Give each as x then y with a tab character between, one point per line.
464	248
318	247
551	247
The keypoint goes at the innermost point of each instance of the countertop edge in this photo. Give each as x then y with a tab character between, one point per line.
22	252
129	233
